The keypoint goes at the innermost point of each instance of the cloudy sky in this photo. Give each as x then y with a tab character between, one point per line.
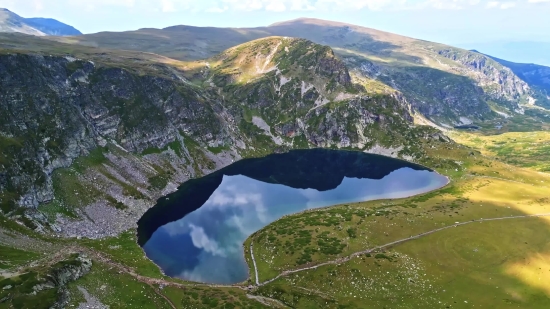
459	22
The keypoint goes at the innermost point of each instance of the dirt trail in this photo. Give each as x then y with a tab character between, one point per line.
254	262
159	293
349	257
156	281
270	302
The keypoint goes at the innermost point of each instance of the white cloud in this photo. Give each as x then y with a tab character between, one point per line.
38	5
202	241
301	5
219	6
168	6
507	5
245	5
276	6
235	197
217	9
102	3
500	5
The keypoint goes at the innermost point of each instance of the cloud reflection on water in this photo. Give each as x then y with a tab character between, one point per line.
241	205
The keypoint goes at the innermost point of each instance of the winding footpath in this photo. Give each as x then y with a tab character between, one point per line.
254	262
349	257
101	257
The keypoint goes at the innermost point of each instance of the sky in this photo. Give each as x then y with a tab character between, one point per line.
462	23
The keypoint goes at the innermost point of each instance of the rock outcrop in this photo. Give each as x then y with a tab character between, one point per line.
45	284
101	142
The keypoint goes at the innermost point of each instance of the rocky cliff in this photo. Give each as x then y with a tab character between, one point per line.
91	139
537	76
43	287
447	85
499	82
56	109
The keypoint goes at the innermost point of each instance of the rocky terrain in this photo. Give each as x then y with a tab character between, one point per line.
442	82
537	76
39	285
85	138
88	131
92	137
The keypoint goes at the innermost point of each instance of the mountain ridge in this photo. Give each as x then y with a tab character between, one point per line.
534	74
92	137
11	22
393	60
189	118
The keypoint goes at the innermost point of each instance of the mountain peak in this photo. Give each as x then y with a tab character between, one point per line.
308	20
289	56
11	22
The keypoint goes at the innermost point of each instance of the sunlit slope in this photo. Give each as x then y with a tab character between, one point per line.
449	85
178	42
526	149
466	260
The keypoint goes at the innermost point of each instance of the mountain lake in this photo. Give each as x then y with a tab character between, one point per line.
197	233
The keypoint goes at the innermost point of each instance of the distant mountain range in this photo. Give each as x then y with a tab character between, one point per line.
11	22
195	98
445	83
535	75
522	51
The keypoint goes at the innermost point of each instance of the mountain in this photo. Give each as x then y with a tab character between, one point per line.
51	26
11	22
121	127
538	76
519	51
342	86
93	134
448	85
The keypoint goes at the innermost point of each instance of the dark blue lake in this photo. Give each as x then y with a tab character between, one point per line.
197	233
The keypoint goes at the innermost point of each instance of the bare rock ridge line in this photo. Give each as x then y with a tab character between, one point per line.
106	112
348	258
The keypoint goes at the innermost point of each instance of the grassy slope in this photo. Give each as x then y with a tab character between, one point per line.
484	182
399	57
479	264
135	61
531	149
503	258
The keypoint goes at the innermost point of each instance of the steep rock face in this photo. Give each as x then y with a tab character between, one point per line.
56	109
306	96
361	122
537	76
440	95
499	82
101	142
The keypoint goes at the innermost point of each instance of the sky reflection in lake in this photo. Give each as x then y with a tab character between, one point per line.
206	244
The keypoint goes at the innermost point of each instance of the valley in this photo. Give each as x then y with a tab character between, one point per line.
97	129
470	248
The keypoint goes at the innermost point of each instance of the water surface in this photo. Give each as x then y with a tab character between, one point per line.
197	232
